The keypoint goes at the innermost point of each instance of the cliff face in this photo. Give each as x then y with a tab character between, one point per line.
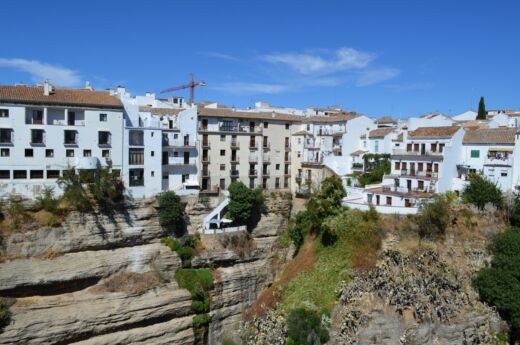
101	279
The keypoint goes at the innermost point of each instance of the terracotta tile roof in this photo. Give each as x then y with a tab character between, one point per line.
332	118
230	113
490	136
513	114
380	132
302	132
59	97
358	152
434	132
399	137
161	111
386	119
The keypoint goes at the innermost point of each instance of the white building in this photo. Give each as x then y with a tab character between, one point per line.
45	130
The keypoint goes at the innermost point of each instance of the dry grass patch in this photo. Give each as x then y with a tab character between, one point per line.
130	282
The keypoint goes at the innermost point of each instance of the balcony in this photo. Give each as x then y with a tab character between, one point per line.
253	172
205	173
180	144
253	145
205	144
287	172
315	161
234	160
233	173
266	158
240	129
287	147
336	148
357	166
311	146
253	158
395	190
181	161
406	153
414	173
266	172
287	158
266	146
499	161
205	159
234	144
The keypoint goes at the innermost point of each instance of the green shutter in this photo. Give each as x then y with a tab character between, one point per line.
475	153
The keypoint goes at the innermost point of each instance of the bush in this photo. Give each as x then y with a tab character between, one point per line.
15	212
481	191
499	284
305	327
106	188
73	192
332	190
199	283
53	221
434	217
244	203
46	200
184	247
170	209
5	315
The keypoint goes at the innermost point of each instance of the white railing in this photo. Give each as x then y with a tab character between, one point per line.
403	152
499	161
181	161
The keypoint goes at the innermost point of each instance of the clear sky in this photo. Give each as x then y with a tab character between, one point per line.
384	57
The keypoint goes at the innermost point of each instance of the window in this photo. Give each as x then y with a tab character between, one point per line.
29	153
151	134
5	135
136	177
222	167
70	137
104	138
36	136
4	113
136	156
175	154
69	153
308	127
37	117
4	153
222	152
87	153
277	183
152	153
175	136
397	165
266	124
364	143
36	174
475	153
152	173
105	153
136	138
49	153
53	173
376	146
20	174
103	117
287	126
222	137
503	173
277	166
5	174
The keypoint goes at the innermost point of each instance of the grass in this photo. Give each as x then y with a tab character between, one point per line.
131	282
198	282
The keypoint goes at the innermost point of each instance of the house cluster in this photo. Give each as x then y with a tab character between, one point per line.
169	145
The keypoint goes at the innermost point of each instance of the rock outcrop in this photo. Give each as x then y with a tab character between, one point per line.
59	281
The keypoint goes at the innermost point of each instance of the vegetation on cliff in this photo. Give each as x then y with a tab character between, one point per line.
171	210
244	204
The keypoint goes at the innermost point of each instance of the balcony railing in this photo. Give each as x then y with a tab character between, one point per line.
205	159
253	158
415	173
233	172
311	146
180	144
357	166
493	160
405	190
266	172
205	173
402	152
234	160
252	172
253	145
234	144
234	129
266	146
181	161
266	158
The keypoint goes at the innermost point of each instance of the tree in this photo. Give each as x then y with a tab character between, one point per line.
171	209
434	217
106	188
332	190
499	284
482	114
481	191
304	327
73	192
244	203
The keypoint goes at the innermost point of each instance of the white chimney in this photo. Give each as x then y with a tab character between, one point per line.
88	86
47	88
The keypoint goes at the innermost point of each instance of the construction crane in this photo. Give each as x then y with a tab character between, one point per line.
191	85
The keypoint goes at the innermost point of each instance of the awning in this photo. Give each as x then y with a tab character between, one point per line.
506	149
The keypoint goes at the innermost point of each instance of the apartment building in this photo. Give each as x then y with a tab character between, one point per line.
492	153
426	164
254	148
45	130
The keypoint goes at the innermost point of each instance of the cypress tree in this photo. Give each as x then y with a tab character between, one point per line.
481	109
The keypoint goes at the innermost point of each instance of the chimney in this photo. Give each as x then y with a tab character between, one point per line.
47	88
88	86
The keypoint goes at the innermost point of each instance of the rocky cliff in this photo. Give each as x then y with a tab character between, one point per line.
107	279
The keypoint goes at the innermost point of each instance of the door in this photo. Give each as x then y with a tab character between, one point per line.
252	127
165	158
420	184
186	140
389	200
423	149
205	184
407	203
72	118
186	158
222	183
377	199
409	185
205	124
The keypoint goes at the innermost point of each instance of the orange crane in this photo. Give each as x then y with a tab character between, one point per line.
191	85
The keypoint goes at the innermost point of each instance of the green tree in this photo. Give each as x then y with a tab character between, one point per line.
482	114
74	194
481	191
171	210
106	188
304	327
499	284
434	217
332	190
244	203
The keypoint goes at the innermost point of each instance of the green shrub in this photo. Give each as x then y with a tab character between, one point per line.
106	187
200	328
434	217
53	221
46	200
499	284
74	194
304	327
5	314
199	283
201	320
171	209
481	191
14	211
244	203
184	247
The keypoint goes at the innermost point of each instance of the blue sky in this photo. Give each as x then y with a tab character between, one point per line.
397	58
